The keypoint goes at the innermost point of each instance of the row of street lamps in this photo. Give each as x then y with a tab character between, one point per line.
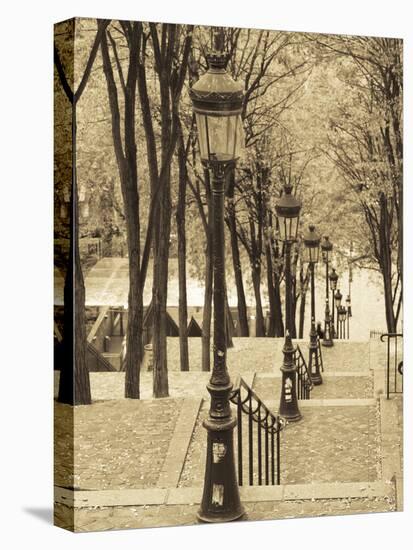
341	327
217	103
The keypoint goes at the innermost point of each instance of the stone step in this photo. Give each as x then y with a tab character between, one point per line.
334	386
192	495
265	354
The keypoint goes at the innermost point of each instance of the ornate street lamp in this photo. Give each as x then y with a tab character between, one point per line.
288	213
311	253
217	101
349	314
326	250
333	277
337	301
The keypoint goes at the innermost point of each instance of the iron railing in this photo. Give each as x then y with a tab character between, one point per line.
263	456
374	334
304	383
394	363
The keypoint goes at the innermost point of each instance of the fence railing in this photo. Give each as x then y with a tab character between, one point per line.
375	334
304	383
394	362
262	456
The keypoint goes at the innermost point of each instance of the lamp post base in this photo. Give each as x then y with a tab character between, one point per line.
314	366
316	380
327	343
222	518
220	499
288	401
291	417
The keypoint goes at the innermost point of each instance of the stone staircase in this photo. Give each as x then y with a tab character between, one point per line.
343	457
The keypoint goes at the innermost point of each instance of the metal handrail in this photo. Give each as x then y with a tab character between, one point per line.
304	382
392	385
269	427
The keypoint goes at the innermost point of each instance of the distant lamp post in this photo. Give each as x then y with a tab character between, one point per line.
288	213
349	314
333	278
311	254
342	316
326	250
217	101
337	301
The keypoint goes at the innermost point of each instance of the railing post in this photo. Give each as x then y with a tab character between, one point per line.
388	368
239	433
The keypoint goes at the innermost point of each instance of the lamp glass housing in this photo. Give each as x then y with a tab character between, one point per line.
333	277
311	254
311	241
220	138
288	228
337	298
326	249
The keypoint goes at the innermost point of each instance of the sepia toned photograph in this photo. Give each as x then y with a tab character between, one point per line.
228	274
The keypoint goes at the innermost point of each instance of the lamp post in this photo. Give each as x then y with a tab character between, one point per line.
342	314
288	213
311	253
337	301
333	277
217	101
349	314
326	250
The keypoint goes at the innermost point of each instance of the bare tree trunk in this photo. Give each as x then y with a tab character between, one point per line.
180	224
304	282
302	315
229	324
134	335
236	261
256	281
386	263
293	299
279	324
160	293
127	166
74	384
271	292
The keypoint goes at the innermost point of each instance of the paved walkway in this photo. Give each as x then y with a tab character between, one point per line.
268	387
330	444
117	444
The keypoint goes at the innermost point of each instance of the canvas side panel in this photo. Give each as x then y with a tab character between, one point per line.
64	36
